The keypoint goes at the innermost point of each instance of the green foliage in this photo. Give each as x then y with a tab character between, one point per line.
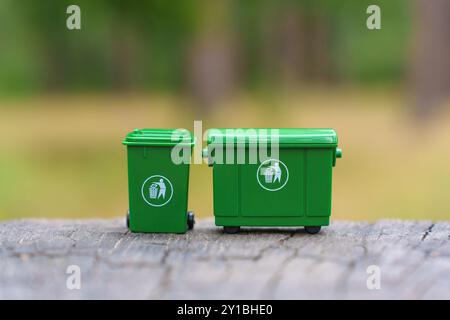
364	55
144	44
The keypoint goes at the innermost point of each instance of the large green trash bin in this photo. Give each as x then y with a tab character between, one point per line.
293	189
158	185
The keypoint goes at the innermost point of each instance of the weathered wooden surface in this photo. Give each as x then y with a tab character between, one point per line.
414	260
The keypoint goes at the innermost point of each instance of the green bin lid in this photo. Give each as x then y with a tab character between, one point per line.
159	137
287	137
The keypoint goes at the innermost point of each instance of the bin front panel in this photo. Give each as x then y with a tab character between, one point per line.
303	190
318	182
158	190
292	189
225	191
274	187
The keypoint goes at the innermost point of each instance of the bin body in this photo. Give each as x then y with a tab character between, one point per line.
292	189
158	187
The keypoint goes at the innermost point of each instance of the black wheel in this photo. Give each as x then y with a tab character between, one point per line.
231	230
128	219
312	230
190	220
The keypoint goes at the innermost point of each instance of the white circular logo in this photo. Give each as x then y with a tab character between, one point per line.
272	175
157	191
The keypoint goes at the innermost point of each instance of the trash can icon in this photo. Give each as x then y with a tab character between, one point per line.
154	191
268	174
158	185
289	190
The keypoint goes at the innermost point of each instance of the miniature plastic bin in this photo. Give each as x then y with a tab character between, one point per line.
158	185
293	189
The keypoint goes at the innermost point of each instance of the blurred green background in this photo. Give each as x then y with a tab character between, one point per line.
67	98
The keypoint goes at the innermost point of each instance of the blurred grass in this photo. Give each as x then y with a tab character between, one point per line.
61	156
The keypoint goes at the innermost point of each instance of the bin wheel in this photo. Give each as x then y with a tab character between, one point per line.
231	230
312	230
128	219
190	220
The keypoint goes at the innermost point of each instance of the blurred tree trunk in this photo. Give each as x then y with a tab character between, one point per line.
211	67
55	77
292	45
124	55
320	52
431	56
297	46
210	71
284	38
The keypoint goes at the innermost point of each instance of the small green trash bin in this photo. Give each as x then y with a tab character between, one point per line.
293	189
158	185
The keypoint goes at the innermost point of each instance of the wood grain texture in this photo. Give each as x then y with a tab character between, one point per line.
414	258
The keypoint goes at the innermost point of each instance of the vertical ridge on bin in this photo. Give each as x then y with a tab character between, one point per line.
333	156
238	191
305	182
